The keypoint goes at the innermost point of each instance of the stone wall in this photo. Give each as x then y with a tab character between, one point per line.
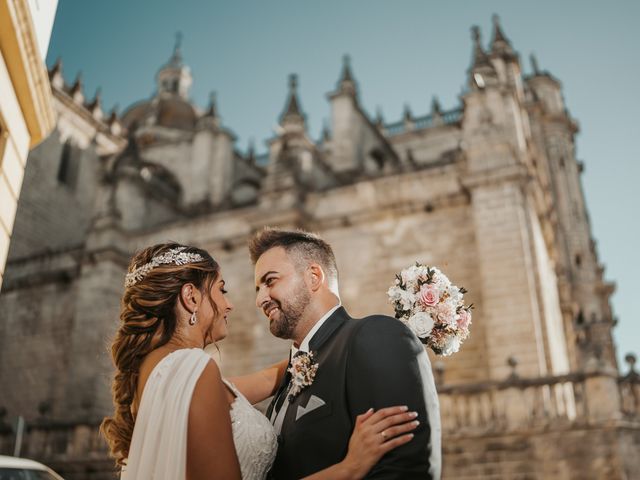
37	319
53	215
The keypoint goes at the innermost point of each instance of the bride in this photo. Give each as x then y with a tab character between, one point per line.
175	417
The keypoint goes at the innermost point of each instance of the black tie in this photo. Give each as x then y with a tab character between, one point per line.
282	394
283	389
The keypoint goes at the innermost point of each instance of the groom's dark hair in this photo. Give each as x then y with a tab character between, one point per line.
306	245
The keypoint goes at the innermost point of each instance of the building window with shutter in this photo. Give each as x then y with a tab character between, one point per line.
69	164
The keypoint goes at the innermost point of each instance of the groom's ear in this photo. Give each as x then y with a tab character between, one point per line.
316	276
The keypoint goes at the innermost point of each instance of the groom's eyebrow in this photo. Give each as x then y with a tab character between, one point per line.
263	278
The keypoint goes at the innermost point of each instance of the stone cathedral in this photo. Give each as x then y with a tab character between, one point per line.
489	191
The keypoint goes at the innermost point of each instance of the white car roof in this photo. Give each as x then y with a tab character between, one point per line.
15	462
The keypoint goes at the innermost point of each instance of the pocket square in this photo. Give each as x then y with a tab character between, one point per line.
313	403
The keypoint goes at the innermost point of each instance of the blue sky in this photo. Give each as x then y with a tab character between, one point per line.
403	52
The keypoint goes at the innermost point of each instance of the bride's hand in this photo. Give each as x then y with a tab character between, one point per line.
376	434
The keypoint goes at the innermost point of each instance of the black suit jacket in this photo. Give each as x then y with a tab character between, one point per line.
371	362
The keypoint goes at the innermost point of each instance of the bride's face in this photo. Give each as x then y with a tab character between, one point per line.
214	321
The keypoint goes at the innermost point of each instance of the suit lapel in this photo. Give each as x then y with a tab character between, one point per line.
328	328
319	339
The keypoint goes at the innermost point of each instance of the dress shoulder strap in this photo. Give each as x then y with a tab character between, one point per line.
232	387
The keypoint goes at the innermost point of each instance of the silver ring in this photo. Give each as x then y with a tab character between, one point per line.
384	435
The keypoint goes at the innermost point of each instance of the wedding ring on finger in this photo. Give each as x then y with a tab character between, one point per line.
384	436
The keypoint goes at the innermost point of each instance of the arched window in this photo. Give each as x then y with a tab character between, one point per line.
69	165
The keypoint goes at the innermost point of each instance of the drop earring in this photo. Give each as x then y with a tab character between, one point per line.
193	319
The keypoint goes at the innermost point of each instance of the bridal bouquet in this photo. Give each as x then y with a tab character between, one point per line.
432	307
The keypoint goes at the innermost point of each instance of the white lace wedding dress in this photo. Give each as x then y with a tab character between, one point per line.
159	444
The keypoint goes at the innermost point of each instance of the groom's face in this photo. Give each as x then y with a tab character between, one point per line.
281	292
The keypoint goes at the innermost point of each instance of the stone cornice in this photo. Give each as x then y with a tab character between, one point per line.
508	173
411	192
26	68
81	111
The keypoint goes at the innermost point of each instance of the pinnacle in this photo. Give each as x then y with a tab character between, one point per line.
346	76
500	43
480	58
407	115
379	117
534	64
435	106
212	111
292	108
176	58
347	83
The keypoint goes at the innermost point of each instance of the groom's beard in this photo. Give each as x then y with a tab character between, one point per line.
288	316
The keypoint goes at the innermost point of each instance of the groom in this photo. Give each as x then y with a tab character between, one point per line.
371	362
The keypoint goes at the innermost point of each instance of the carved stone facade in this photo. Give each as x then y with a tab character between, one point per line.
489	191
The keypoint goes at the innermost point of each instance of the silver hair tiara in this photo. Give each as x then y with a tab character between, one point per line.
175	256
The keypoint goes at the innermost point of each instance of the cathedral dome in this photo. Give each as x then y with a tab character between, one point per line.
170	106
172	112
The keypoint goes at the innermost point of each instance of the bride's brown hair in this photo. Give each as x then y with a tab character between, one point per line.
148	321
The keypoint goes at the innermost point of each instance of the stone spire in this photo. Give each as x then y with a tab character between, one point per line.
212	109
114	124
76	90
176	59
55	74
482	71
436	112
534	64
480	58
435	106
379	121
95	106
174	77
347	83
407	116
210	117
292	114
326	135
500	44
251	152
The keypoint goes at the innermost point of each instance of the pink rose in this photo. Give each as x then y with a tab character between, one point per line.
464	319
429	295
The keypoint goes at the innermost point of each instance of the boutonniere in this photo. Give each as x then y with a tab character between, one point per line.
303	370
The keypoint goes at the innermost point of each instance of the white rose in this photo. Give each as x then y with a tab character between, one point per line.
455	295
421	324
394	293
452	345
407	299
410	275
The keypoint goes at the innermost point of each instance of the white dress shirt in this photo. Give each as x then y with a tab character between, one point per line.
304	347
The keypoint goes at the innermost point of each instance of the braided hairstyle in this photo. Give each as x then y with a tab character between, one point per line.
148	321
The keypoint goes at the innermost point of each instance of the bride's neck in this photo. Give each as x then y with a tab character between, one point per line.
177	343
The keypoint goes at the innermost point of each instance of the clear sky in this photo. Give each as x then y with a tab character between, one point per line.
403	52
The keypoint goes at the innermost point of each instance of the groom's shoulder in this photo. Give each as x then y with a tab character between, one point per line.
380	326
379	332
